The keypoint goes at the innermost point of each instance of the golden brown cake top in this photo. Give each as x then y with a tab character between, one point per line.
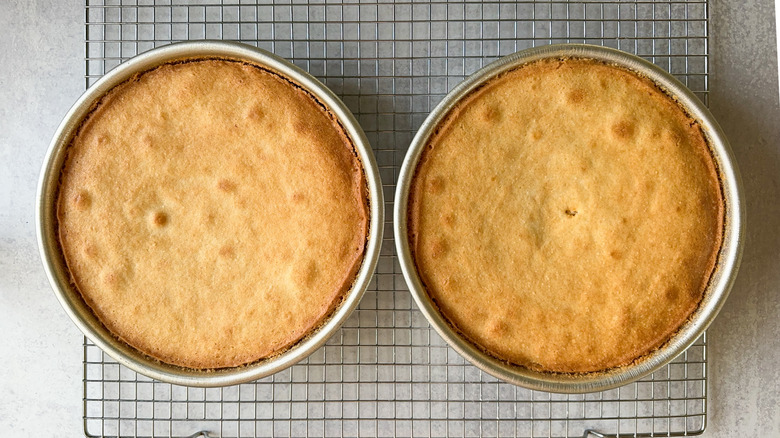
212	213
566	216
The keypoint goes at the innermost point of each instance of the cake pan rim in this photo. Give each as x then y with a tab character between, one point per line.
721	280
71	300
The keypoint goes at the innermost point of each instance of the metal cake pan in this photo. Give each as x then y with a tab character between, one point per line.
720	283
56	269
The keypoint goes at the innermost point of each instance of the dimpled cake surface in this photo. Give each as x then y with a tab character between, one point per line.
566	216
212	213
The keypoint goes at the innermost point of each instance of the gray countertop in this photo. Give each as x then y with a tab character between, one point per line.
41	75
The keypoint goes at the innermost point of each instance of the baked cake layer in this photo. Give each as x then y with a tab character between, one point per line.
566	216
212	213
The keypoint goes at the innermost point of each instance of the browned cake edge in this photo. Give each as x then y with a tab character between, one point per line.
704	149
360	190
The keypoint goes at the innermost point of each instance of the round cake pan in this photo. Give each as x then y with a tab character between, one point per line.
56	269
720	282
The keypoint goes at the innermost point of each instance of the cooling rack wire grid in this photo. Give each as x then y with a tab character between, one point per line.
386	372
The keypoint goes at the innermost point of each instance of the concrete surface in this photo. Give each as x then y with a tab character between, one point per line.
41	67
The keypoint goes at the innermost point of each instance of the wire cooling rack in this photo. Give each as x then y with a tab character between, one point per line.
386	372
